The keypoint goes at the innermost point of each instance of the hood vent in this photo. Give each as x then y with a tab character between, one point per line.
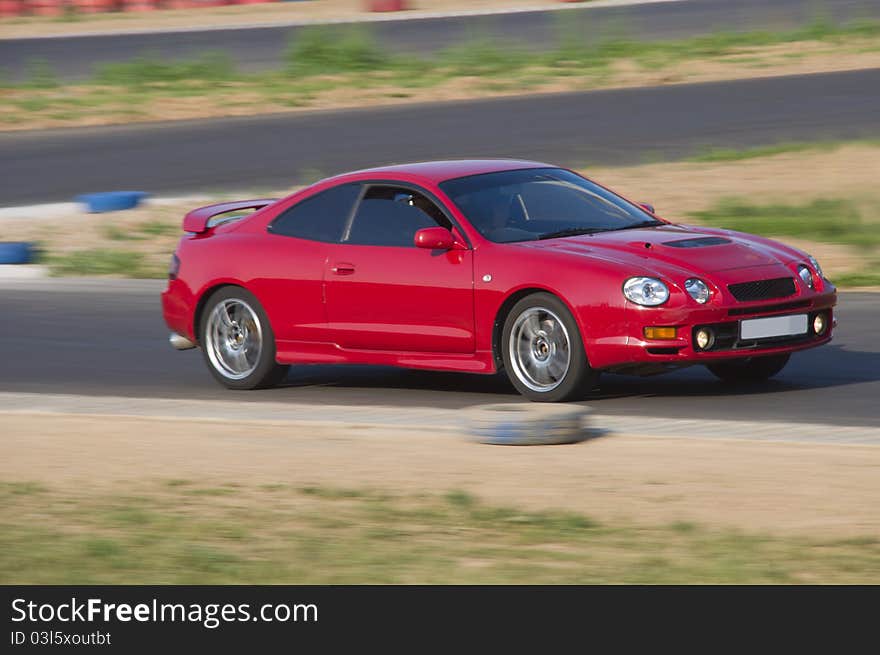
699	242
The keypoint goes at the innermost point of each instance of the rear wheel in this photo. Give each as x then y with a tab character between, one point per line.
749	369
237	341
543	351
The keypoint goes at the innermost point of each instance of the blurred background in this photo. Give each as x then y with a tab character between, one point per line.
124	462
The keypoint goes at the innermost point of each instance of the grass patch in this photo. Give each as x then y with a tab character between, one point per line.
277	534
149	69
830	220
22	488
116	233
211	491
102	261
328	51
331	493
156	228
39	75
145	230
866	278
714	155
459	498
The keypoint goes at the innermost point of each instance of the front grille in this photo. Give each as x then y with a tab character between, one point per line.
762	289
766	309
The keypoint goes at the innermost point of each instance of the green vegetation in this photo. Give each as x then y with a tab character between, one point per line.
39	75
168	534
146	70
831	220
735	154
866	278
147	229
327	51
102	261
156	228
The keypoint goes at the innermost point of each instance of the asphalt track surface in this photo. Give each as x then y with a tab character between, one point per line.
108	338
257	49
610	127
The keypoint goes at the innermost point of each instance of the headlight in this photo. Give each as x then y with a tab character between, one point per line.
646	291
815	266
805	275
697	289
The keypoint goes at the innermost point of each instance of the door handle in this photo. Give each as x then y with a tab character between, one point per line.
343	269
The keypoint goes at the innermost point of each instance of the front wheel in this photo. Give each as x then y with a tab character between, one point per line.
543	351
237	341
749	369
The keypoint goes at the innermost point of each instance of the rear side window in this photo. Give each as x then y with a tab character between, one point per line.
319	218
390	216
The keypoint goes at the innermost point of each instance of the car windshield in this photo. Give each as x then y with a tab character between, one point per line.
541	203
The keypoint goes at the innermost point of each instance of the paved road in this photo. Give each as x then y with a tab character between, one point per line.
263	48
107	339
598	127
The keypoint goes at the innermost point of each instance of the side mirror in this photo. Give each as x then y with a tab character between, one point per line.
434	238
648	206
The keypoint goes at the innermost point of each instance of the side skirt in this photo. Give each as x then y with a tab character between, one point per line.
302	352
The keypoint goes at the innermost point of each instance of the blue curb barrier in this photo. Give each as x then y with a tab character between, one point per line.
111	201
17	252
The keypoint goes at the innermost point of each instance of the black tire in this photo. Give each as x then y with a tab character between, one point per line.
749	369
266	372
576	378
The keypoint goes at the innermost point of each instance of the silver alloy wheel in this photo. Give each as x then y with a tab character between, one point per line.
540	350
234	339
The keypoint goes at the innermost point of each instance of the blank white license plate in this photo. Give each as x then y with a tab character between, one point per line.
775	326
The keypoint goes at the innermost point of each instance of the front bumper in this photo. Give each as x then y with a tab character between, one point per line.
636	352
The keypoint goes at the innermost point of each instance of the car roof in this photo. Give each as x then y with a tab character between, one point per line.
434	172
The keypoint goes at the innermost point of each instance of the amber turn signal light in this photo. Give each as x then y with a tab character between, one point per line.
660	333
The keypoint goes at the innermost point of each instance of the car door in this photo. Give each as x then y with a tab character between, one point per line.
384	293
292	260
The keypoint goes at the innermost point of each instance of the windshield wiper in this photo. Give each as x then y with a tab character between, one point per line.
569	232
632	227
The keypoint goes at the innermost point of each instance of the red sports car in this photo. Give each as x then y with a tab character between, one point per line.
482	266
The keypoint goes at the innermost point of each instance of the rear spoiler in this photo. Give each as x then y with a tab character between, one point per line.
199	220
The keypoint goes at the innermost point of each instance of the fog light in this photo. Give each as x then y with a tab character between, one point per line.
820	324
705	338
663	333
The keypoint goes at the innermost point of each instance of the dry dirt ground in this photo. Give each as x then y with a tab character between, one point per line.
771	488
675	189
266	14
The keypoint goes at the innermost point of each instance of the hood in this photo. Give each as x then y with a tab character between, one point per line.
685	247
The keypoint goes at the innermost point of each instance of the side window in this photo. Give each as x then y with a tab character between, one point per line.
390	216
319	218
